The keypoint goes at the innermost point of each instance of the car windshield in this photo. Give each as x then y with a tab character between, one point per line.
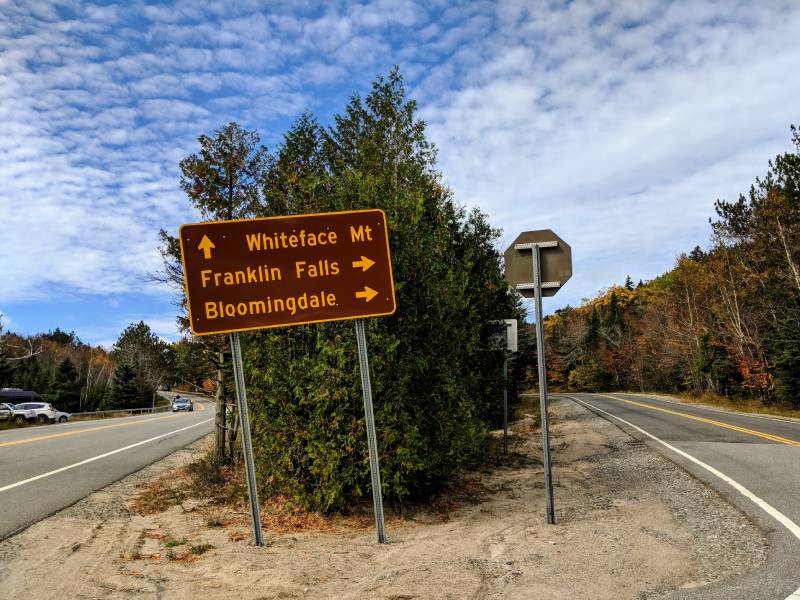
181	400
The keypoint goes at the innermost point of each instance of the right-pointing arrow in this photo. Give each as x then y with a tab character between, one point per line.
368	293
365	263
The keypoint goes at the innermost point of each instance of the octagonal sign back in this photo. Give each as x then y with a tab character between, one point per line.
555	257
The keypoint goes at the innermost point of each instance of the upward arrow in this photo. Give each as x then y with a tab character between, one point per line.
206	245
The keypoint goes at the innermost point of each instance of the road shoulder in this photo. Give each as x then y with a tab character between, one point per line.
630	525
777	577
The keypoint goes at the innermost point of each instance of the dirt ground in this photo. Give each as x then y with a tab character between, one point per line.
630	525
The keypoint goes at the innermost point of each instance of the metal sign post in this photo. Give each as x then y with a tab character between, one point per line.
291	270
505	388
548	473
508	344
247	444
550	273
372	443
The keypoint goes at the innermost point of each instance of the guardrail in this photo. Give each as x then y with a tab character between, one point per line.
130	411
140	411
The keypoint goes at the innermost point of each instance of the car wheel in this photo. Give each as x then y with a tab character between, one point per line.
62	419
19	420
42	419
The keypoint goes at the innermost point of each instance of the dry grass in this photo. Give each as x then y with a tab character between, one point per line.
200	549
220	497
161	494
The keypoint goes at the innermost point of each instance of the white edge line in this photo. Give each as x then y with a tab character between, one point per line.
98	457
793	528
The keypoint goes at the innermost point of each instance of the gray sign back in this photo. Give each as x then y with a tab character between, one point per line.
556	263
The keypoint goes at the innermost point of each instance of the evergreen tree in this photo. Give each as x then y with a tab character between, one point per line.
151	358
786	351
434	382
615	319
628	283
61	337
65	389
124	391
29	375
6	372
223	181
697	254
715	362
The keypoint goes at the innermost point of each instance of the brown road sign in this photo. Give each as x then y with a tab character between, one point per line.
258	273
556	262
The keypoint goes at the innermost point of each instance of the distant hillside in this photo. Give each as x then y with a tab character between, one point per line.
725	321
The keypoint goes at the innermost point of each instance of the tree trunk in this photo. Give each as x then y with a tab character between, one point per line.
219	429
792	265
232	439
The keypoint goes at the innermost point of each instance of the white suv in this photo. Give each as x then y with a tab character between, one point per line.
39	412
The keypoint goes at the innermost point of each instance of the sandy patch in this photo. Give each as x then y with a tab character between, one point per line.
622	532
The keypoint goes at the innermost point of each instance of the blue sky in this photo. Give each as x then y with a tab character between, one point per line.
617	124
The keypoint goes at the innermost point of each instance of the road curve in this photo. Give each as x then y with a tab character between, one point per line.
752	460
44	469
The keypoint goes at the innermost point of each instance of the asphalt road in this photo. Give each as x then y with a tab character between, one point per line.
46	468
753	461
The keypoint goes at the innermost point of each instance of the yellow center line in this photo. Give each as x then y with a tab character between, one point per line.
761	434
53	436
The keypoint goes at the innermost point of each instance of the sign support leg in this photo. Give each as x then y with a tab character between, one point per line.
374	469
548	475
505	389
247	444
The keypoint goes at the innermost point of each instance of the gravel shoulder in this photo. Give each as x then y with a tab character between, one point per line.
630	524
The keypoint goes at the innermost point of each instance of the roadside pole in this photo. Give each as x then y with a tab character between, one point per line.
548	474
247	444
550	273
505	388
372	443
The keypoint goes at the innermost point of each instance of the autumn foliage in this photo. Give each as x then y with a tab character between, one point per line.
725	320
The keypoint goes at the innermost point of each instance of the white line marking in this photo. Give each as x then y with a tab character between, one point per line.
793	527
98	457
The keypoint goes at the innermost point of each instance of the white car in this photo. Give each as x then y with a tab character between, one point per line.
39	412
6	411
179	403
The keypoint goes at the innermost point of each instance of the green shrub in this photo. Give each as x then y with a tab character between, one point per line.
436	380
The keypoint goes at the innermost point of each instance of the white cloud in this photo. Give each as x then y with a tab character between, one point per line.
620	138
616	124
